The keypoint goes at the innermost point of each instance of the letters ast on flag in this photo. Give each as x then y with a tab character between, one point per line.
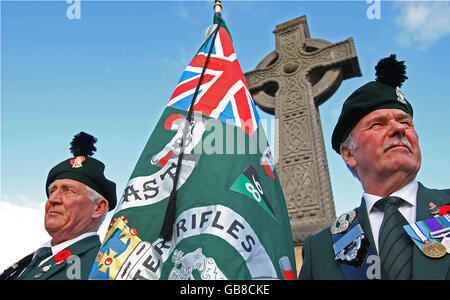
231	220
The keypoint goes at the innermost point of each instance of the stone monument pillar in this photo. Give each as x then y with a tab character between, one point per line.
291	82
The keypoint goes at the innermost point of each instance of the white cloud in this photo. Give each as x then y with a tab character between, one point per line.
22	231
185	12
182	12
104	227
422	23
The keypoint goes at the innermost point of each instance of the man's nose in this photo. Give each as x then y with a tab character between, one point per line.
397	129
55	196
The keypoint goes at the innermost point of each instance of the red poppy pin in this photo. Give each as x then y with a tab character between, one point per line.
62	255
444	210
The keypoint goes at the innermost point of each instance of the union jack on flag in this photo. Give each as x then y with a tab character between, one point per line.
223	93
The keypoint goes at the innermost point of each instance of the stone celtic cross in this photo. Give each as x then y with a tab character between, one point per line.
291	82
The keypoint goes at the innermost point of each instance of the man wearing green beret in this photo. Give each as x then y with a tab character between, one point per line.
400	229
79	196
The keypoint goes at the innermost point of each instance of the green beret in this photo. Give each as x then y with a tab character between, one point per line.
380	94
84	169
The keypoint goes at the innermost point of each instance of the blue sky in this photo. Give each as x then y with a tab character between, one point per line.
111	72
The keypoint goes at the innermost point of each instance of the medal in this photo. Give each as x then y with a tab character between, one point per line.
433	249
443	234
428	233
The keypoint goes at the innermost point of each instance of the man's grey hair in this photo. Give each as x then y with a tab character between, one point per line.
351	146
94	196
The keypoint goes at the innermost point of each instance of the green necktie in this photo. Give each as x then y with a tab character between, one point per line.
42	253
395	247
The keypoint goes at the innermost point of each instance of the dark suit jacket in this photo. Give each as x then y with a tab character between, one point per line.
86	250
318	254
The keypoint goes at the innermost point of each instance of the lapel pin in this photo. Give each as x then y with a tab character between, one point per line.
433	208
46	268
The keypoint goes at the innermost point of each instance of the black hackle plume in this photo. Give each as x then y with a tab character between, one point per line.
390	71
83	144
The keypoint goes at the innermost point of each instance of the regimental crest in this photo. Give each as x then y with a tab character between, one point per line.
188	135
77	162
342	224
184	265
400	95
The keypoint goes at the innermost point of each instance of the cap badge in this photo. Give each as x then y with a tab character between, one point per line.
77	162
400	95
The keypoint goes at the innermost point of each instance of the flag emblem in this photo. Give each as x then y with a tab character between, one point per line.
248	184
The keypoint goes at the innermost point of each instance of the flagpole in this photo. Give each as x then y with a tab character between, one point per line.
169	218
218	7
217	11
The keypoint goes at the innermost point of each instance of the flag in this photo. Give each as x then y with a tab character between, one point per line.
230	216
223	93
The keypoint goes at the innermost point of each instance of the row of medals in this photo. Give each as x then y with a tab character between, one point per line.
435	249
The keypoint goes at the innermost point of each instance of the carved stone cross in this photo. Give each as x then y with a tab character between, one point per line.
291	82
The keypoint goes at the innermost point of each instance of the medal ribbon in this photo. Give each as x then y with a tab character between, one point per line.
420	231
433	224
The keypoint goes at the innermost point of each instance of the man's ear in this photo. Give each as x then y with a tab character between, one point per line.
101	208
347	156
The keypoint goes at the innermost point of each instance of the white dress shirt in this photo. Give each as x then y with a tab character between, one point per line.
408	210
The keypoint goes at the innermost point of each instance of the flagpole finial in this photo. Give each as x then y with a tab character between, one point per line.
217	6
